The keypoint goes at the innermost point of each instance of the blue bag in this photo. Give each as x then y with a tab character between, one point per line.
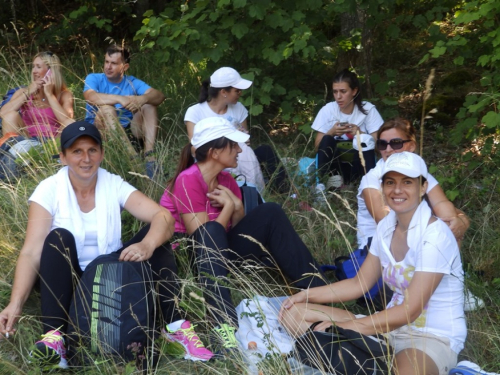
346	267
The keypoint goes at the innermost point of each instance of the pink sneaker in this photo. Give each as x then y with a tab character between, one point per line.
50	352
183	333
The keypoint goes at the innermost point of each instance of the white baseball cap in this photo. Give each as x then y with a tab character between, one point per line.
366	140
228	77
406	163
212	128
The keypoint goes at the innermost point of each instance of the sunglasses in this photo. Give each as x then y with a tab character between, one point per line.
396	144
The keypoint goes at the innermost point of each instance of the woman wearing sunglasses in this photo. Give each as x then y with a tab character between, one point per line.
40	109
395	136
418	258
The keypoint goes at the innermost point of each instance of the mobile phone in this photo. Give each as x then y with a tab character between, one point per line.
343	123
48	74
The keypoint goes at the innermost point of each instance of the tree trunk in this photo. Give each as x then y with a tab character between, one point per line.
359	60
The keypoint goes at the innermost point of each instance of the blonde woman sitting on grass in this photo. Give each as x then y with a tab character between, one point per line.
44	106
418	258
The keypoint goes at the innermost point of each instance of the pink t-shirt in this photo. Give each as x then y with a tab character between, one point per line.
39	121
190	195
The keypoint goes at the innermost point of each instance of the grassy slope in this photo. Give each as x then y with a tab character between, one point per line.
328	232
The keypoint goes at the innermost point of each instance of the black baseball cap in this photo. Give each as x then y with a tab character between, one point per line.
76	130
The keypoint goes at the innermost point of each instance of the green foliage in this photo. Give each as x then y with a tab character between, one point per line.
476	39
283	46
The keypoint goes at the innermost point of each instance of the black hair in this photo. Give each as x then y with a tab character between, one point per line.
186	159
123	50
208	92
352	80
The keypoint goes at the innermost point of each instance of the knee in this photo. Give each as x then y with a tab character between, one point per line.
149	113
265	151
270	210
106	116
12	122
327	141
60	236
209	230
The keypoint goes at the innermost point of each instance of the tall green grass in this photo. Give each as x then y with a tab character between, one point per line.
328	230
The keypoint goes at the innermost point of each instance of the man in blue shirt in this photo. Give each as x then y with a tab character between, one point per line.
115	98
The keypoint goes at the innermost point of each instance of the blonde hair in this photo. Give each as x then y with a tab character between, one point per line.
52	61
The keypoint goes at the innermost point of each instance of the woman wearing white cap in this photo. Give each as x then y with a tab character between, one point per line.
395	136
205	202
219	96
418	258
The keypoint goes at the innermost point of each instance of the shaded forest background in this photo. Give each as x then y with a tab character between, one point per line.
291	50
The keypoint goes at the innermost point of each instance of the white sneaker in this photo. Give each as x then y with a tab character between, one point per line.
334	182
471	302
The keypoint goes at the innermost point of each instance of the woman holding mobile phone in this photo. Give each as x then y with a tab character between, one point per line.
339	121
44	106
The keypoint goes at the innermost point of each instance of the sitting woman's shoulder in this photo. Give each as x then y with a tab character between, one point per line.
368	106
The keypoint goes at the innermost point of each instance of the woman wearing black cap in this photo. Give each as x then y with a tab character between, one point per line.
75	216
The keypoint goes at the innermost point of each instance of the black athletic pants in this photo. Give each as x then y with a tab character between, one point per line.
329	160
269	226
271	166
60	273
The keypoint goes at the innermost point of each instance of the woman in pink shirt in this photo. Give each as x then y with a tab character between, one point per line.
206	204
44	106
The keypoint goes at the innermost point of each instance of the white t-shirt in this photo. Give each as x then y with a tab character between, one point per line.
45	195
437	252
248	164
91	252
331	114
235	114
372	180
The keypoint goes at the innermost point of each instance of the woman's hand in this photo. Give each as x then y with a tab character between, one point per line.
137	252
222	197
34	86
338	129
300	297
48	85
8	317
353	129
458	225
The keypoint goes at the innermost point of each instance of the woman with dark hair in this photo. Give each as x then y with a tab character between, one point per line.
44	106
219	96
205	202
75	216
418	258
339	121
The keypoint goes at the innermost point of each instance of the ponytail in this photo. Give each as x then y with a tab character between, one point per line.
186	160
208	92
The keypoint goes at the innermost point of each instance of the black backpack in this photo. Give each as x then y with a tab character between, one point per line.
113	312
343	351
250	196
